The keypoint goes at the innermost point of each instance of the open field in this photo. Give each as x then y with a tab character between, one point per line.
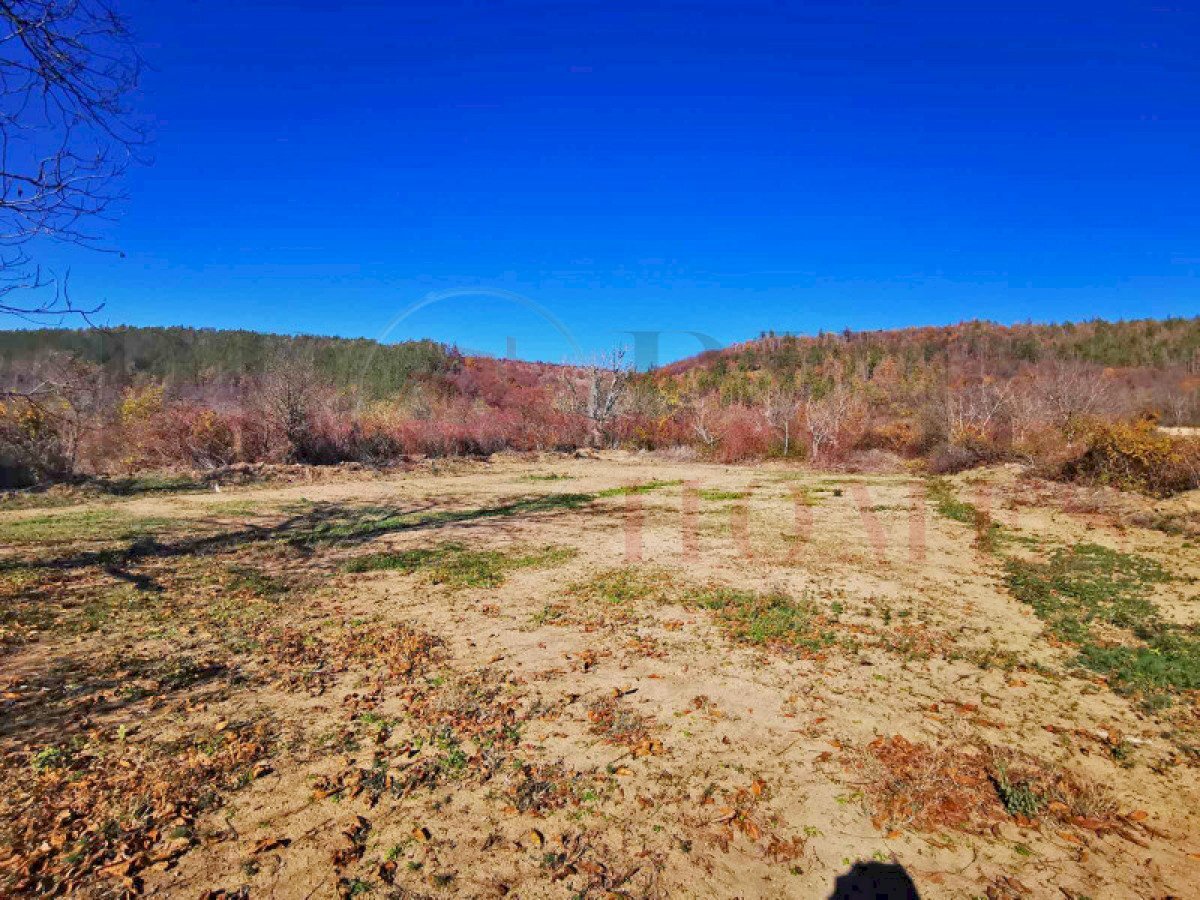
611	676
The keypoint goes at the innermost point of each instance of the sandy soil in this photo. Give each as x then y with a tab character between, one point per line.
533	737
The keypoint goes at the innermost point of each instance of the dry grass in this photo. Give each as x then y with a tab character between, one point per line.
974	787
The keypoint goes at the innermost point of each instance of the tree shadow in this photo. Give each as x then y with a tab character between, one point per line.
874	881
326	525
70	693
142	582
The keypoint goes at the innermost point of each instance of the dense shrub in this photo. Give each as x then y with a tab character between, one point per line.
947	459
895	436
1134	455
1045	444
744	434
639	431
872	460
36	442
15	470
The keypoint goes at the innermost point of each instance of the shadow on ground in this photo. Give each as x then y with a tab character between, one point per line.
875	881
324	525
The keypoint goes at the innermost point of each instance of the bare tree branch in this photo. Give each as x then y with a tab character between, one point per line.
597	392
67	71
781	405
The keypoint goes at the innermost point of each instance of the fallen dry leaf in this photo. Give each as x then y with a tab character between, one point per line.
268	843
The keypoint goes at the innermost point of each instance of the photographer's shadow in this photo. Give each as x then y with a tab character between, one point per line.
875	881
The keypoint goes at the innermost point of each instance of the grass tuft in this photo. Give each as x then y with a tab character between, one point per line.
456	566
1019	797
773	618
716	494
637	488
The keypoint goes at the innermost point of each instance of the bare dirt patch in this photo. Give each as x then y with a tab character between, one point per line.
620	676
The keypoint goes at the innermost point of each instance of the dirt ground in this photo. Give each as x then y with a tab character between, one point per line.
616	676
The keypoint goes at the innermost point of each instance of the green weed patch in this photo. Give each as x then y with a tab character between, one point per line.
715	494
646	488
773	618
1084	586
456	566
988	532
627	584
1169	662
103	524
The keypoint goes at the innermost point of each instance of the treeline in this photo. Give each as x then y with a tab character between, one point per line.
1151	343
178	356
1084	399
953	397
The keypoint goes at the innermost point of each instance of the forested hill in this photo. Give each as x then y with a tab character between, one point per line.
199	355
1150	343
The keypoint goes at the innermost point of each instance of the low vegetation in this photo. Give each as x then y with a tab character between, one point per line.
456	566
988	532
361	524
85	525
973	789
628	584
773	618
1097	599
1081	589
635	489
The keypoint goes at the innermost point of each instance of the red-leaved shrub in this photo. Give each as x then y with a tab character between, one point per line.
743	434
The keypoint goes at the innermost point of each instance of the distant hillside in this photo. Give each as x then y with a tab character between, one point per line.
201	355
1153	343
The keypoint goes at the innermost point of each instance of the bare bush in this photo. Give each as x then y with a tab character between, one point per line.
704	415
1179	407
597	392
830	420
289	394
977	410
44	417
1073	389
781	406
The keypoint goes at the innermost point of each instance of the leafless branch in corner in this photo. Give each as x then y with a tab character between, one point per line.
67	71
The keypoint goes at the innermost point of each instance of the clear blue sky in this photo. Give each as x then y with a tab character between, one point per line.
723	168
